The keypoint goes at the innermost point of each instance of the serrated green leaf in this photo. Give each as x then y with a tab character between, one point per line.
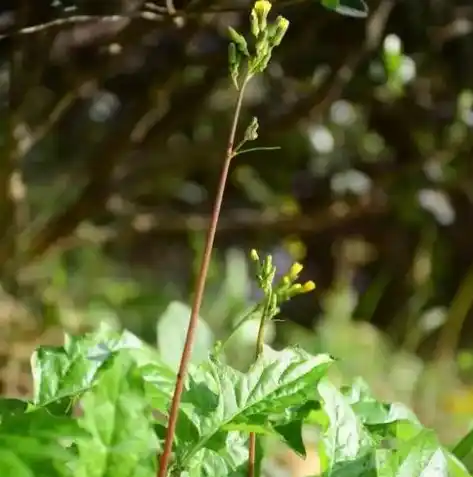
421	456
159	384
373	412
349	8
231	460
38	444
353	446
347	442
60	372
119	418
219	396
171	330
66	372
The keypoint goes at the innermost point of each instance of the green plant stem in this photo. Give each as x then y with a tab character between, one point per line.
199	290
259	350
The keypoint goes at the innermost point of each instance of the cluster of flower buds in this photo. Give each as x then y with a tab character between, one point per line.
285	289
267	35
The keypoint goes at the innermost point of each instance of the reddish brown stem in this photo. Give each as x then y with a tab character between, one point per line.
199	292
252	455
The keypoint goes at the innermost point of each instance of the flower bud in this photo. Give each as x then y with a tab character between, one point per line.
294	271
282	24
308	286
259	16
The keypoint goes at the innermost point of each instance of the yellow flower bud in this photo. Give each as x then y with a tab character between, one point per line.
262	8
282	24
260	13
254	255
308	286
294	271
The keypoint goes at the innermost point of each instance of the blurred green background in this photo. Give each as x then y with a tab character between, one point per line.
112	134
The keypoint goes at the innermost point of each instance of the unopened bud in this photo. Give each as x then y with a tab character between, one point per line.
254	255
259	15
282	24
294	271
308	286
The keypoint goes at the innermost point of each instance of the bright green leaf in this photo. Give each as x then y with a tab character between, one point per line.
373	412
68	371
421	456
230	460
218	396
347	441
119	417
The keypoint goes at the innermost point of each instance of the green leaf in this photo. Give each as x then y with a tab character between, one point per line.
118	415
68	371
421	456
354	441
37	444
172	328
63	372
373	412
219	397
160	382
348	8
347	442
231	460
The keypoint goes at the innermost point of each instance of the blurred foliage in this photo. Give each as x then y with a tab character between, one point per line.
114	120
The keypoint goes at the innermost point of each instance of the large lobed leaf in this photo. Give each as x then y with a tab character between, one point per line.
366	438
70	370
109	372
117	414
120	382
220	399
